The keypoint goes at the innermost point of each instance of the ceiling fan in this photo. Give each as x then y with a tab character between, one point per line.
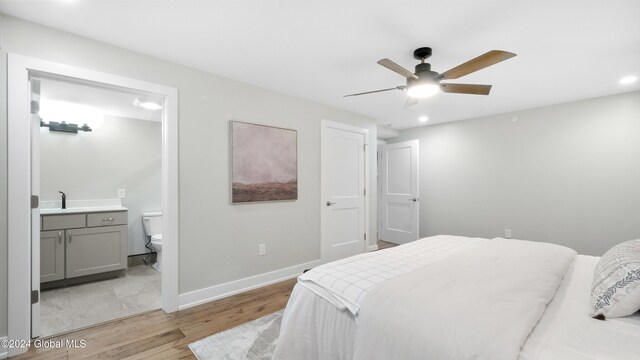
425	82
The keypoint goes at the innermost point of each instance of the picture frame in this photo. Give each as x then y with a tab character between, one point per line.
264	163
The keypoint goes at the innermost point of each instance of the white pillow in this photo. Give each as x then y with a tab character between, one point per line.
615	291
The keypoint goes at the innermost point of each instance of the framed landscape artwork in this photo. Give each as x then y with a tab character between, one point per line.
264	163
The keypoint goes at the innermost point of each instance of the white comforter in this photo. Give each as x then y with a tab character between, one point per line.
315	329
478	304
345	283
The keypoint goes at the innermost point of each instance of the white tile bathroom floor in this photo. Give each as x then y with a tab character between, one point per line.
74	307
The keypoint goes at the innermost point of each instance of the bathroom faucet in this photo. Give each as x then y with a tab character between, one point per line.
64	199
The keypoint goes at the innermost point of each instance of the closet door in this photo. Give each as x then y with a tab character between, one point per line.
400	196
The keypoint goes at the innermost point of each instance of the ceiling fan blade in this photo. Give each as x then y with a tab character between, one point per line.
397	68
466	89
485	60
411	101
401	87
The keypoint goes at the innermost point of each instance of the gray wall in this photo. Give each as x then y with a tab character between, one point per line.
123	153
218	241
566	174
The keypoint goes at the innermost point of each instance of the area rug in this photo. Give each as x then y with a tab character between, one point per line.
255	340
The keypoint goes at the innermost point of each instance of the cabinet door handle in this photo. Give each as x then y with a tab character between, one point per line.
69	235
59	237
108	219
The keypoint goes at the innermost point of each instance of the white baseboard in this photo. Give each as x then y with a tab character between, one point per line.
372	248
3	354
216	292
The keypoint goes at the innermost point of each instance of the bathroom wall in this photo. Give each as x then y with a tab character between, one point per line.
218	241
122	153
566	174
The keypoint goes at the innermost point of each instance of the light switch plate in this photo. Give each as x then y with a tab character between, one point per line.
121	193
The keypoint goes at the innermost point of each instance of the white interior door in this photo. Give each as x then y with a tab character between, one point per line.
343	190
35	208
400	197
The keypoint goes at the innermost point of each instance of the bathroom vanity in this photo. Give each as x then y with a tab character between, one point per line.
79	242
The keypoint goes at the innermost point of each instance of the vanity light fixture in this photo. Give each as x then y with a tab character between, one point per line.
64	127
147	104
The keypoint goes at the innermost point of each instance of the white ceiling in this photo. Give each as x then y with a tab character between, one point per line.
320	50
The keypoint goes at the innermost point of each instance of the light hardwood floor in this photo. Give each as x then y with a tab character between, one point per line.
157	335
385	245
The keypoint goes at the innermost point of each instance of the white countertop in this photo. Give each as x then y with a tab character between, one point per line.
76	210
48	207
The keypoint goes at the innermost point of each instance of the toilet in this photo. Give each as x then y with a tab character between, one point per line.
152	223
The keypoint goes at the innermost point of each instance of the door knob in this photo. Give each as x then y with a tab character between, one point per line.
329	203
414	199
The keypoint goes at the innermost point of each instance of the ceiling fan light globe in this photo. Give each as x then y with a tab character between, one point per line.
423	90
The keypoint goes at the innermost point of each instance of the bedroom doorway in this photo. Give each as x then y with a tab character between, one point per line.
399	201
344	179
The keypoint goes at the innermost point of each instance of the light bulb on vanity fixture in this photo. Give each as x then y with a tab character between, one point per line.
423	119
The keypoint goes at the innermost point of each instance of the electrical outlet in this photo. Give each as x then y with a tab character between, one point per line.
262	249
507	233
122	193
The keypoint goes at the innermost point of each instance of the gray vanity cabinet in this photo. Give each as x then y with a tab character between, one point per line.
74	245
51	255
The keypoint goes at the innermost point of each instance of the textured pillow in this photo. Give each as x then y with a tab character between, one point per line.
615	291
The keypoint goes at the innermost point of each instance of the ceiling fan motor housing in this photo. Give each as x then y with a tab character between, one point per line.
424	74
427	84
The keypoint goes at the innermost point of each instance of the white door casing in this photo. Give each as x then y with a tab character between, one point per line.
35	212
343	180
400	192
380	149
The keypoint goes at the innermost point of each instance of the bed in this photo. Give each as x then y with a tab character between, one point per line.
453	297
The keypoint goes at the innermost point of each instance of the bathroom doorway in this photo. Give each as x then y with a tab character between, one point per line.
99	152
80	224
